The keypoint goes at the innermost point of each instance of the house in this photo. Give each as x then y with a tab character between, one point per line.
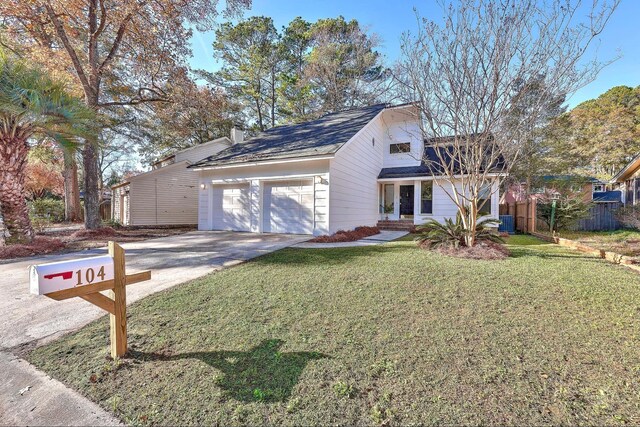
591	189
628	180
168	193
343	170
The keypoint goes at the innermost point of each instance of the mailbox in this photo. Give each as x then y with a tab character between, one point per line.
56	276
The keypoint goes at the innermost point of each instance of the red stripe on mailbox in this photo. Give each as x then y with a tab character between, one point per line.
66	275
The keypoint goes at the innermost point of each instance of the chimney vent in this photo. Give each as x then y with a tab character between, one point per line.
237	135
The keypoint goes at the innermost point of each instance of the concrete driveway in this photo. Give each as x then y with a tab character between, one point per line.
33	320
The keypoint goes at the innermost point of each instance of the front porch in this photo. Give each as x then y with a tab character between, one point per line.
405	203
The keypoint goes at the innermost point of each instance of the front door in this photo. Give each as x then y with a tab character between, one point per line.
406	200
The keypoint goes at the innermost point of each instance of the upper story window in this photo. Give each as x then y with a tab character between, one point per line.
598	187
403	147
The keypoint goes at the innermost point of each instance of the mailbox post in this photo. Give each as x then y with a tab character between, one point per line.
86	278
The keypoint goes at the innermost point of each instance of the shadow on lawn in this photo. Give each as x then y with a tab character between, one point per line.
261	374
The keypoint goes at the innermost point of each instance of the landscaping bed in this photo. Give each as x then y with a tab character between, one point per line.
70	239
624	242
376	335
347	236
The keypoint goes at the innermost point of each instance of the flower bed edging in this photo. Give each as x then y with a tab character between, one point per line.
612	257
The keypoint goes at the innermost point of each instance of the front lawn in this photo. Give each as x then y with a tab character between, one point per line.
387	334
625	242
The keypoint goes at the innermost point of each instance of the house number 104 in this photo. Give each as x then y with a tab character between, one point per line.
89	276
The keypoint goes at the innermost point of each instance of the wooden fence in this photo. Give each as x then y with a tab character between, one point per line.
105	210
602	217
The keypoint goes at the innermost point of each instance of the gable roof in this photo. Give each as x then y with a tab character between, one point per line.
628	170
323	136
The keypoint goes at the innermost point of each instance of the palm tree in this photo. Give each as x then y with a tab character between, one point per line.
31	105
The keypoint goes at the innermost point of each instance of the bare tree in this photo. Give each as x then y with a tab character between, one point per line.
470	74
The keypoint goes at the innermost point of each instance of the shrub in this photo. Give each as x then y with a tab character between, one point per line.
629	216
451	234
570	208
47	209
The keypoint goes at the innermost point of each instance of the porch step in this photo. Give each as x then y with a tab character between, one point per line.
399	225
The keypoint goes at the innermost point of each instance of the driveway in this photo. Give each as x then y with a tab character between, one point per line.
29	397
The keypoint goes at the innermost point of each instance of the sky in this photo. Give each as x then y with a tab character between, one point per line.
389	19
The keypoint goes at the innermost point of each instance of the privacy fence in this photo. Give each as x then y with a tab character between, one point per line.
523	214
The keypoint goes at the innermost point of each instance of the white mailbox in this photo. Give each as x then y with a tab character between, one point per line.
56	276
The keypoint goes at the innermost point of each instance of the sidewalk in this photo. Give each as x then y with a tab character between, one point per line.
383	237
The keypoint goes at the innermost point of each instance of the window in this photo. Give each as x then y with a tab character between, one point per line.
403	147
386	205
426	197
484	200
598	187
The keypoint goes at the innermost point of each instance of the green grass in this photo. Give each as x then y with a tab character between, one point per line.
374	335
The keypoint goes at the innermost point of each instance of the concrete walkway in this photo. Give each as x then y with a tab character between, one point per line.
383	237
29	320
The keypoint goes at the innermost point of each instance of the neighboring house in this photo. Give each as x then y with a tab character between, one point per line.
168	193
592	189
628	180
334	173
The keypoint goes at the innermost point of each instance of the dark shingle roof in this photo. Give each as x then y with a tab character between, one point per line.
607	196
431	163
318	137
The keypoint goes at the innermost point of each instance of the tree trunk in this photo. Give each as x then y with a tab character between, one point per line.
71	191
91	192
15	213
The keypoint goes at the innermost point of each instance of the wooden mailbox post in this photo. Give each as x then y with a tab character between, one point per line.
86	278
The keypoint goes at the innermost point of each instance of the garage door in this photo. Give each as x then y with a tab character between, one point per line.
231	207
288	207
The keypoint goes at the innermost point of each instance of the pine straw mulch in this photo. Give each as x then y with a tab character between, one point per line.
481	251
347	236
41	245
74	240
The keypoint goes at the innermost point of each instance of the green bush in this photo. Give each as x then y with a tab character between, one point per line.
47	210
569	210
451	234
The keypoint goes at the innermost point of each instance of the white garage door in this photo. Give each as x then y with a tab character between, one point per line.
231	207
288	207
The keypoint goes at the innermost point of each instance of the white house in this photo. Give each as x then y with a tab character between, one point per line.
334	173
168	193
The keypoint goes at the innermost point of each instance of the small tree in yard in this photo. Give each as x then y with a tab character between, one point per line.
31	104
471	76
570	208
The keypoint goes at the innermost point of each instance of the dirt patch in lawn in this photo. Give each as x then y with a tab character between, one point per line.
71	239
347	236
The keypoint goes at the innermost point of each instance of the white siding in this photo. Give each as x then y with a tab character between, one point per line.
166	196
353	187
401	126
444	207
